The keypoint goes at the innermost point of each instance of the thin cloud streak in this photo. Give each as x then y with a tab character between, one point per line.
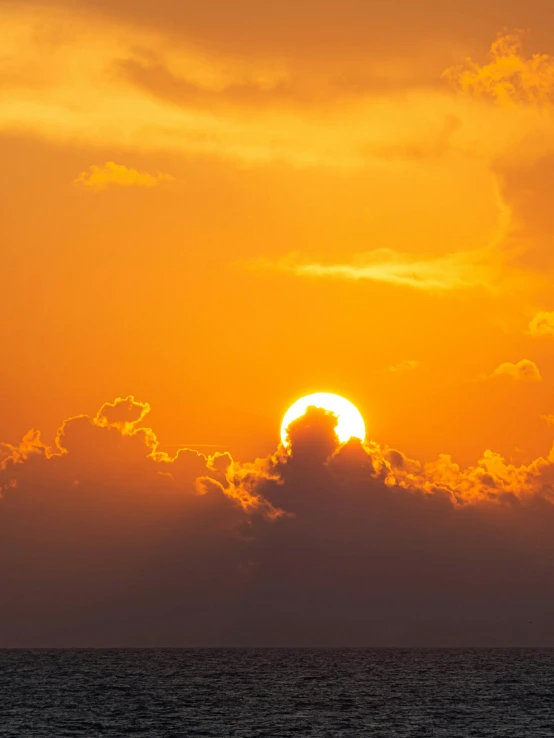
457	271
482	268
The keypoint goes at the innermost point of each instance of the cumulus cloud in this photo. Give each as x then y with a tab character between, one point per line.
524	371
122	413
373	532
509	76
314	445
542	324
118	175
105	540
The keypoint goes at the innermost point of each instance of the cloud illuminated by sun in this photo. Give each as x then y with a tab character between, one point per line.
118	175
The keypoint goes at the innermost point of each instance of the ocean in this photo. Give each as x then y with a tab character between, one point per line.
274	693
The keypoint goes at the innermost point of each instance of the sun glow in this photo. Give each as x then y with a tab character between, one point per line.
350	422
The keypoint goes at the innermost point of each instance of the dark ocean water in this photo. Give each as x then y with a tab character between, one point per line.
277	692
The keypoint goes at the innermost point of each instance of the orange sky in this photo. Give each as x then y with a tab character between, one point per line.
288	141
220	207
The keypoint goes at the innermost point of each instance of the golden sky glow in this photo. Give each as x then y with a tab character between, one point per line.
385	195
217	207
250	200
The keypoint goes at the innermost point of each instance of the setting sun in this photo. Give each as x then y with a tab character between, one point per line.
350	422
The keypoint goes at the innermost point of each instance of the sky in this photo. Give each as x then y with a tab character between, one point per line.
212	209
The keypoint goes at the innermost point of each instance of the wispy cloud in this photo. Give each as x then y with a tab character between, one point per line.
134	87
407	365
455	271
483	267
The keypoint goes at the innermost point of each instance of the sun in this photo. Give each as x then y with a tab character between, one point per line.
350	422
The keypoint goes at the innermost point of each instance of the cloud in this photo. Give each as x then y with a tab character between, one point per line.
133	86
486	268
509	77
105	540
407	365
314	445
548	418
118	175
373	530
124	413
456	271
542	324
524	371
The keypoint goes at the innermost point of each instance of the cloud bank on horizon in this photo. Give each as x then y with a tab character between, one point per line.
106	540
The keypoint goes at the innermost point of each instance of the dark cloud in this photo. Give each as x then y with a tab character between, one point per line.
296	89
104	541
156	78
326	28
528	187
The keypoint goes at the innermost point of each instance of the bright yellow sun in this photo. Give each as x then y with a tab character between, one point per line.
350	423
